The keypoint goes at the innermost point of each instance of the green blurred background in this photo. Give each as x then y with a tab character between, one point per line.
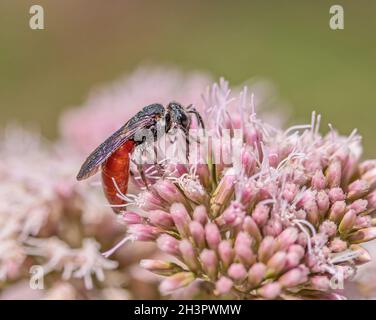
90	42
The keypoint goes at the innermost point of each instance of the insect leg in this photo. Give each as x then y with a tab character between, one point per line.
156	147
140	168
141	171
186	134
191	109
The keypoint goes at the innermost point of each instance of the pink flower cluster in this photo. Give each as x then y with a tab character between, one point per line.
284	221
50	220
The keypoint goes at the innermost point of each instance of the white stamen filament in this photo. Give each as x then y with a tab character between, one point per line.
110	252
300	223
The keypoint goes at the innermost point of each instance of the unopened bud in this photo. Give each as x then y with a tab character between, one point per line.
160	267
176	281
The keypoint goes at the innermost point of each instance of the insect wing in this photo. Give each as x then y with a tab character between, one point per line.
111	144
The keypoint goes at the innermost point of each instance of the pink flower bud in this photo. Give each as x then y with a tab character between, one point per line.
292	260
292	278
320	283
249	193
267	248
222	194
370	177
312	164
300	177
367	166
256	274
272	228
223	285
131	217
328	227
160	218
319	181
312	211
168	191
363	257
302	239
273	160
363	235
194	191
347	222
237	272
189	255
202	171
209	262
359	205
358	189
168	244
260	214
176	281
342	154
245	254
233	214
334	173
248	162
297	249
276	263
250	226
226	253
323	203
200	215
336	194
289	192
338	245
337	211
363	222
198	233
212	235
151	201
294	256
254	137
143	232
287	237
270	290
307	196
160	267
243	238
181	219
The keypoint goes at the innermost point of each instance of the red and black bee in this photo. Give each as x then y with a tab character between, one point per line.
113	155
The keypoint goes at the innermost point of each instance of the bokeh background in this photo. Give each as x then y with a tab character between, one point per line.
87	43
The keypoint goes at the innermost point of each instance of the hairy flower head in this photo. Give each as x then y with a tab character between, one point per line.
281	217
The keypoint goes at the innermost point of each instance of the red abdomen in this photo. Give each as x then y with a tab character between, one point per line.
116	168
